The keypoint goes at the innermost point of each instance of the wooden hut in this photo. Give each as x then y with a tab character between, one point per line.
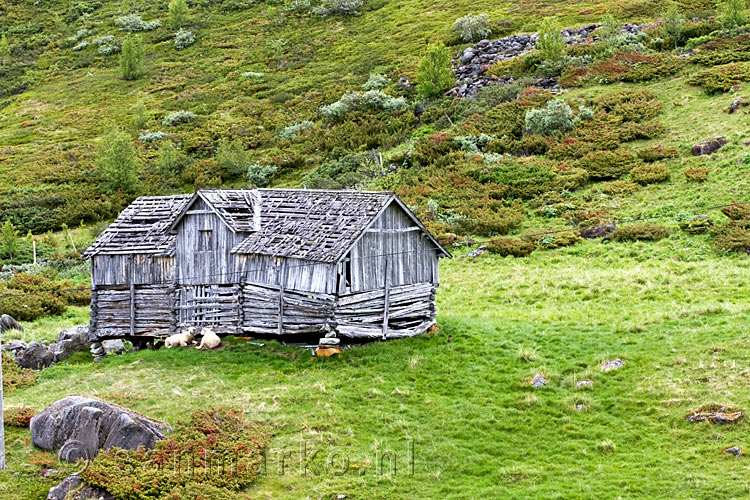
265	262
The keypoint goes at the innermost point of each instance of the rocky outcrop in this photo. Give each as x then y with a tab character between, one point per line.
37	356
471	65
709	146
8	323
79	427
73	483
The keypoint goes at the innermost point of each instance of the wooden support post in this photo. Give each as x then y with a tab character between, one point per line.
387	300
132	296
281	278
33	245
2	421
241	303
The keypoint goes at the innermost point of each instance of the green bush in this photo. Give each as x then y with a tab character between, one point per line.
349	171
550	42
473	28
178	12
517	247
614	188
732	14
133	23
554	240
696	174
604	165
374	99
656	153
630	105
650	174
376	82
183	39
27	297
435	73
131	59
732	237
17	416
345	7
673	23
116	163
556	118
178	118
640	232
696	225
259	175
213	438
722	78
14	376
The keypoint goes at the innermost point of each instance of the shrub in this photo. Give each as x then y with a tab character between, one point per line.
183	39
516	247
737	211
116	163
603	165
656	153
554	240
14	376
630	105
233	157
80	46
131	59
18	416
10	240
133	23
178	11
107	44
345	7
140	117
252	75
348	171
556	118
650	174
178	118
696	225
723	51
258	175
732	237
732	14
374	99
27	297
170	161
379	100
696	174
673	25
289	133
550	42
376	82
619	188
472	28
722	78
209	439
640	232
152	136
435	73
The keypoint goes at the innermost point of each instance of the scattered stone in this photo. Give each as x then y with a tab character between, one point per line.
732	450
70	341
8	323
585	383
327	341
735	105
614	364
709	146
404	82
79	427
716	414
114	346
92	493
579	406
538	381
97	351
48	472
15	346
35	356
476	252
62	489
601	231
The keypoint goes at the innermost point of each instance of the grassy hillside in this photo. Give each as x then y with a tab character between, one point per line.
462	396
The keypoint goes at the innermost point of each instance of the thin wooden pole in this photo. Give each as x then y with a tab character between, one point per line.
387	303
2	421
70	237
281	296
33	245
132	296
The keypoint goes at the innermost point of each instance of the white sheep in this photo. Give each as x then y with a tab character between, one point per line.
209	339
182	339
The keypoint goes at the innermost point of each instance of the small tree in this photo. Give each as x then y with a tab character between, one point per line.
608	28
732	14
178	12
10	239
168	162
116	163
140	118
434	75
131	59
4	51
550	43
673	24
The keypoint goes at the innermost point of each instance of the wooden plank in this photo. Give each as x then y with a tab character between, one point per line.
386	302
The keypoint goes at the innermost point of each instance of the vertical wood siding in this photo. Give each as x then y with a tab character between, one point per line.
297	274
115	269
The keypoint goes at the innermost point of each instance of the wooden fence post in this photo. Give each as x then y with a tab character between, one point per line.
132	296
387	299
2	421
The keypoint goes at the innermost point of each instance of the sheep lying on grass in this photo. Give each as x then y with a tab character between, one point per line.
210	340
183	339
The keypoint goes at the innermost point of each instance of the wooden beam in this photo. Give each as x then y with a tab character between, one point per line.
281	278
387	298
397	230
132	295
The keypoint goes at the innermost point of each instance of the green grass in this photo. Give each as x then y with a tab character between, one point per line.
674	313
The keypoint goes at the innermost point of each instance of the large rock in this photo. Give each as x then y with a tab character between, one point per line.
79	427
8	323
72	483
71	341
708	146
36	356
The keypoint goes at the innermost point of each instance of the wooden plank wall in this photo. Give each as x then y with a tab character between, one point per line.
216	264
317	277
394	235
216	306
300	312
116	270
111	311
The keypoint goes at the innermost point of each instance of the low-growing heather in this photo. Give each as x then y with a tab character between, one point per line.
178	118
18	416
722	78
554	240
603	165
656	153
183	39
724	51
14	376
615	188
630	105
696	225
732	237
216	437
30	296
640	232
650	173
516	247
696	174
133	23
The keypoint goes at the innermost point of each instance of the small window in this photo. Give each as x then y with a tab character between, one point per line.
204	239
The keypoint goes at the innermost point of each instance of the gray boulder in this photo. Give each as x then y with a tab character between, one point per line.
71	341
8	323
538	381
79	427
36	356
476	252
709	146
61	490
116	346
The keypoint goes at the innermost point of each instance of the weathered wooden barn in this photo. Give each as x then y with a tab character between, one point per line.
265	262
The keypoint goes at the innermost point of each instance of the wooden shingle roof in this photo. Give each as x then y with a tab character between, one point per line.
142	228
312	224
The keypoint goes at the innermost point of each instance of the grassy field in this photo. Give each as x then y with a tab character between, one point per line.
459	402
